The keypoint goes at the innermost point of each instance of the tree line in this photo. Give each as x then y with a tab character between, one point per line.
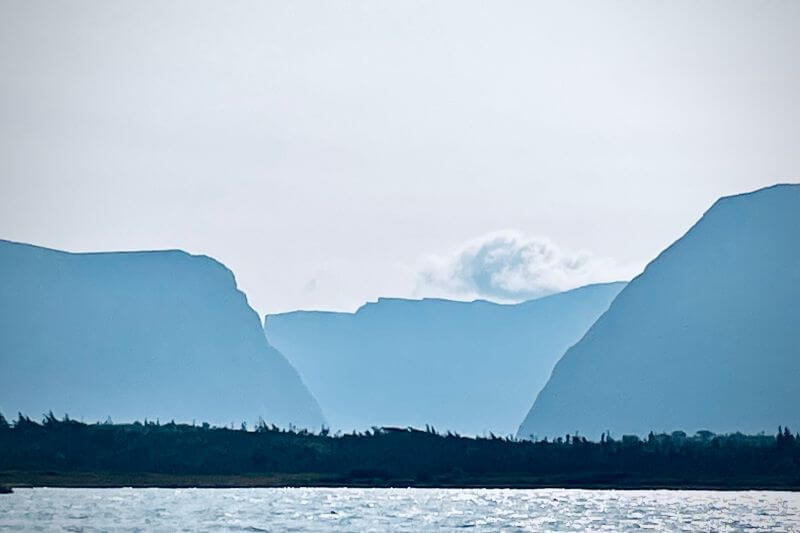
398	456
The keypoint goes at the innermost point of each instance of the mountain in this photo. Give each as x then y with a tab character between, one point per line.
138	334
470	367
707	337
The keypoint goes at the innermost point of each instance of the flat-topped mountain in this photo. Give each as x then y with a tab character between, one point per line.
470	367
138	334
707	337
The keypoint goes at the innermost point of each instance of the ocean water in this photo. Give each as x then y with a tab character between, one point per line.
318	509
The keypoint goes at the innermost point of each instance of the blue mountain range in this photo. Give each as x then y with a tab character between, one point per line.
470	367
138	334
707	337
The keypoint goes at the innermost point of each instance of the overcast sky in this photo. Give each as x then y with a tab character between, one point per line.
333	152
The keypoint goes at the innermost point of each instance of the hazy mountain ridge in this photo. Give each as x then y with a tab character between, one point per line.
138	334
706	337
462	366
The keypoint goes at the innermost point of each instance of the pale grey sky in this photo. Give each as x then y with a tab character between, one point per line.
332	152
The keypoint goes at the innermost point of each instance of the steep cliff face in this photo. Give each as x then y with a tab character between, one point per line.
707	337
138	334
471	367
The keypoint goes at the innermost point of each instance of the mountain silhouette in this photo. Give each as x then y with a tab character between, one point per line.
130	335
470	367
707	337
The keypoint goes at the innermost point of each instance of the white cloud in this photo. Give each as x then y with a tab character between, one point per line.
510	266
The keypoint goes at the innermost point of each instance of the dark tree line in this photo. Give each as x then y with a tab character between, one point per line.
400	457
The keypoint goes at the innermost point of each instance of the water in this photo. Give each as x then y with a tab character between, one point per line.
302	509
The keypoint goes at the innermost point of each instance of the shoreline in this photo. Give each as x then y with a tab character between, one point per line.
16	479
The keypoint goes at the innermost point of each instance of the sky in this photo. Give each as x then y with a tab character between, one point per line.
333	152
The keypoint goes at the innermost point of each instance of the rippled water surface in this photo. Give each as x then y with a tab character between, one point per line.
395	510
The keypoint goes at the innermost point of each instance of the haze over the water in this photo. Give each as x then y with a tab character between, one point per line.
331	153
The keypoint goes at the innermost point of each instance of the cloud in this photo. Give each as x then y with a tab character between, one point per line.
509	266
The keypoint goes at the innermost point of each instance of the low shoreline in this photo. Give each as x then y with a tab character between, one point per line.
72	454
16	479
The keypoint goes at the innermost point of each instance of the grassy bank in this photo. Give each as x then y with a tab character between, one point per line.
23	479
